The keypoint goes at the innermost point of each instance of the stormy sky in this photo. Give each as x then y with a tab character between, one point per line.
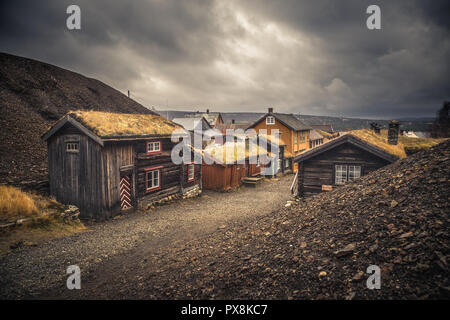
312	57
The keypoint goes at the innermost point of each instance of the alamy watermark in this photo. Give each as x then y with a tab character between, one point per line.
233	147
74	279
373	22
73	21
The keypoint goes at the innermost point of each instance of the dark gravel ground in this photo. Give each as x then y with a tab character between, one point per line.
396	218
32	272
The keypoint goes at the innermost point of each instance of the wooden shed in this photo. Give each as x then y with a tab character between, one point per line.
341	160
225	166
105	163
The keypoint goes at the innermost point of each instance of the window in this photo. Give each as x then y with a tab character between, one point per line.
191	171
153	147
346	173
72	147
295	138
286	163
270	120
341	174
354	172
258	162
152	179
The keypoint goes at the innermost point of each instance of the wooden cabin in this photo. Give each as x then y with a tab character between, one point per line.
225	166
294	134
106	163
343	159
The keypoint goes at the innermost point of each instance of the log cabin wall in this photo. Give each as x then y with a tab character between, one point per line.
320	170
115	156
173	177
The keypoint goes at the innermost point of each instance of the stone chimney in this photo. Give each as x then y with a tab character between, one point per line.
393	132
270	110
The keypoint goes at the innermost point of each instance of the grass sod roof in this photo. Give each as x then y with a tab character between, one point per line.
380	141
106	124
325	134
231	153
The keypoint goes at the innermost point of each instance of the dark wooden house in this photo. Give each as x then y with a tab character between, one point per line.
341	160
105	163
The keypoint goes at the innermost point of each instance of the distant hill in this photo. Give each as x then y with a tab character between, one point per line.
338	123
33	95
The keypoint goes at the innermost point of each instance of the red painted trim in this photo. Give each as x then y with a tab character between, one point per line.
193	176
146	178
153	152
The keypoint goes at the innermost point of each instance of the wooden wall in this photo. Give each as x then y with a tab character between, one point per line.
77	178
114	156
319	170
219	178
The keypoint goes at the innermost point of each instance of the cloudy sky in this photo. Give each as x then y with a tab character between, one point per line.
313	57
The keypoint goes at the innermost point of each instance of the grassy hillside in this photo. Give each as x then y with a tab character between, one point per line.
33	95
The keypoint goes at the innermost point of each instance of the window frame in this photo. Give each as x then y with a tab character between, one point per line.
72	143
147	143
347	165
147	170
272	122
189	172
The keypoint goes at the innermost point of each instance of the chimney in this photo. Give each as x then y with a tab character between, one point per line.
128	93
393	132
207	111
270	110
232	121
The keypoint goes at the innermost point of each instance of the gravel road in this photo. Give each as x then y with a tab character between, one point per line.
112	248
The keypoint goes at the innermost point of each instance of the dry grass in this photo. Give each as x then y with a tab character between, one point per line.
16	204
106	124
417	144
325	134
380	141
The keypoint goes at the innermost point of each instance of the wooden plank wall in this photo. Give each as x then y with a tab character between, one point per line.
114	156
76	178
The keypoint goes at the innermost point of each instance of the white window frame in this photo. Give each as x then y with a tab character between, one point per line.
270	120
286	163
191	171
152	179
340	174
153	144
356	172
346	172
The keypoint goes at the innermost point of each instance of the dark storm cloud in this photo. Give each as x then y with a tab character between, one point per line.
299	56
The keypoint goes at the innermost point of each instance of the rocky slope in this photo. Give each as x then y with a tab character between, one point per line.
33	95
396	218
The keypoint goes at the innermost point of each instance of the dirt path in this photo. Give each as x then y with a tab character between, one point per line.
111	253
